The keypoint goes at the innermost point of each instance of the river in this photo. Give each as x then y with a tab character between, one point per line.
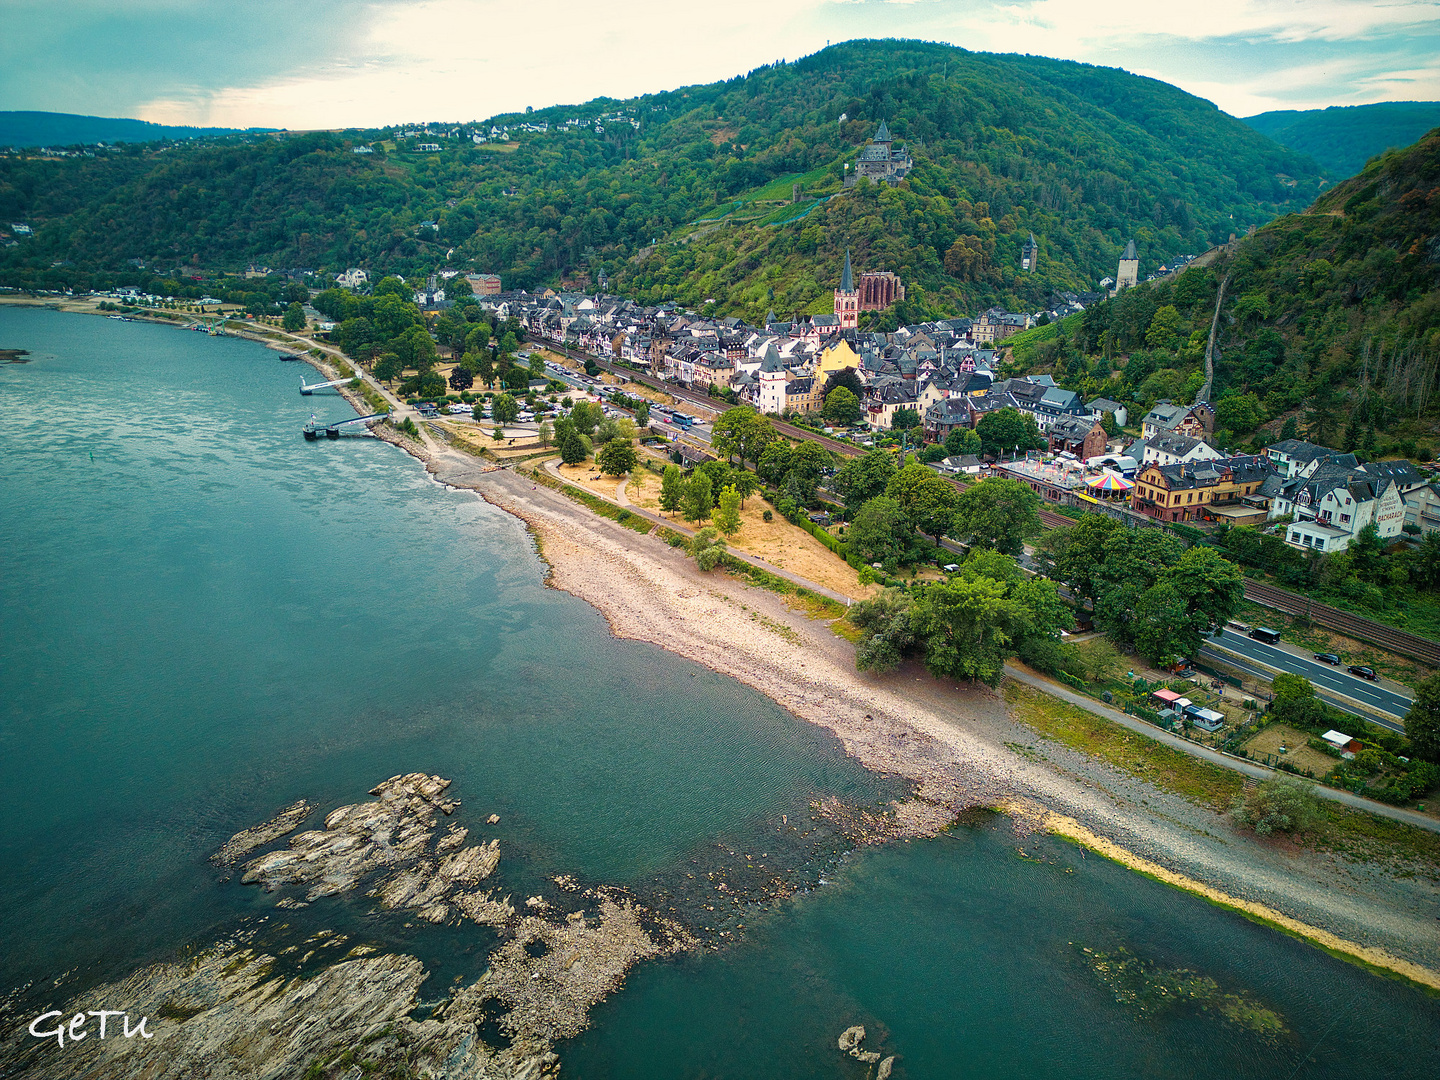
204	617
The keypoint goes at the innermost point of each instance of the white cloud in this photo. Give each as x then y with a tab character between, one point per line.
468	59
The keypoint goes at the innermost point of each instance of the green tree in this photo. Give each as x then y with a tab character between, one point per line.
841	406
998	513
888	634
1422	722
485	369
741	432
1006	430
544	432
294	318
388	368
727	514
1164	330
904	419
642	413
616	457
537	366
699	498
774	463
586	417
865	477
504	409
929	500
962	440
1240	413
966	627
1278	804
881	532
708	547
672	489
569	442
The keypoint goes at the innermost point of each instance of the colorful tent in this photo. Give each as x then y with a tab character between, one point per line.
1110	482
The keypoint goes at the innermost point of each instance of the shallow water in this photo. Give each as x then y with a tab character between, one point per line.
203	618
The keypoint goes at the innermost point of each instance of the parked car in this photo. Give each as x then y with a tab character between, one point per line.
1265	634
1363	672
1328	658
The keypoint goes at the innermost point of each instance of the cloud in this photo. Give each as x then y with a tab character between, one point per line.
334	63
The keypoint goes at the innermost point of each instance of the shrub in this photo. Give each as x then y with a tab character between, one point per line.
768	515
1279	804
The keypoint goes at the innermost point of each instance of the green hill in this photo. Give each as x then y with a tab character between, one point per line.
1330	327
27	129
1084	157
1343	138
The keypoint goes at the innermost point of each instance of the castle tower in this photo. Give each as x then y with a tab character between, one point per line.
1129	272
1029	254
847	298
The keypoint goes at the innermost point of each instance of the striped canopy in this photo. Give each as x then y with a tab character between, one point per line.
1110	482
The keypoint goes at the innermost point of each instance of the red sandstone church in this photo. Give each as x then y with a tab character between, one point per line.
878	290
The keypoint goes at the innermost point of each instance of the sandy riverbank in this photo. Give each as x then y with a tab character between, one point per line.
954	743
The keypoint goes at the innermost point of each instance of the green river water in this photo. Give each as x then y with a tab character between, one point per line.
203	618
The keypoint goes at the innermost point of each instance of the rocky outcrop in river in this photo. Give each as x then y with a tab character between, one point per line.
227	1014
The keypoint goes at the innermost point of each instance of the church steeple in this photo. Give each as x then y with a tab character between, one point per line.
882	133
847	300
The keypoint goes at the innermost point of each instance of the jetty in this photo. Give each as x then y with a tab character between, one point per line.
313	429
312	387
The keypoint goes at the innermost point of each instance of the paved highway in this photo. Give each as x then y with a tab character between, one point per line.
1387	697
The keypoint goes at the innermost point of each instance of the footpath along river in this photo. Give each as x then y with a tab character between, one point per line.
204	618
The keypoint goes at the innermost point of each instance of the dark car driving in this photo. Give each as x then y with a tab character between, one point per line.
1328	658
1363	672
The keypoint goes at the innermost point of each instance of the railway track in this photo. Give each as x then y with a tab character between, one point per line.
1358	627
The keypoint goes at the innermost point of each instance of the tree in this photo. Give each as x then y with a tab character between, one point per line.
544	433
966	627
1278	804
1240	413
642	413
1422	722
863	478
699	498
708	547
585	417
904	419
727	514
962	440
741	431
1288	429
774	463
1164	328
504	409
881	532
845	377
616	457
998	513
569	442
485	369
928	500
885	619
1005	430
460	379
841	406
388	368
672	489
294	318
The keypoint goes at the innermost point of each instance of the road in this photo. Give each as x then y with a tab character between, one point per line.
1387	697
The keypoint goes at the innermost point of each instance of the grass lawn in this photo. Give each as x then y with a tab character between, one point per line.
1172	770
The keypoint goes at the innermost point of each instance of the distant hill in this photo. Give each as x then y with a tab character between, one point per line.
1343	137
31	129
719	192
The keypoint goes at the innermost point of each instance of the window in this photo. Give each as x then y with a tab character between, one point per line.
1344	519
1295	538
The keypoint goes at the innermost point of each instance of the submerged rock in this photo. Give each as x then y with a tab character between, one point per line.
883	1073
247	840
851	1038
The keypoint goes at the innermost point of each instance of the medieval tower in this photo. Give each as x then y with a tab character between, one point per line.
1129	271
847	298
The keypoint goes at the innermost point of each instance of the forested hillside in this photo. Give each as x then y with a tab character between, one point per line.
1330	327
1343	138
1084	157
24	129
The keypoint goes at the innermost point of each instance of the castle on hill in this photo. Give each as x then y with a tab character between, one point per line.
880	161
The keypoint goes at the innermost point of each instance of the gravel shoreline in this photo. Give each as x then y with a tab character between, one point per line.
954	743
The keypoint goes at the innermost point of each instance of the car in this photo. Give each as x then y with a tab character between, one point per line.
1363	672
1328	658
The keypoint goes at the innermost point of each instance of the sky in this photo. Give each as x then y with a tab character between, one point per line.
368	63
